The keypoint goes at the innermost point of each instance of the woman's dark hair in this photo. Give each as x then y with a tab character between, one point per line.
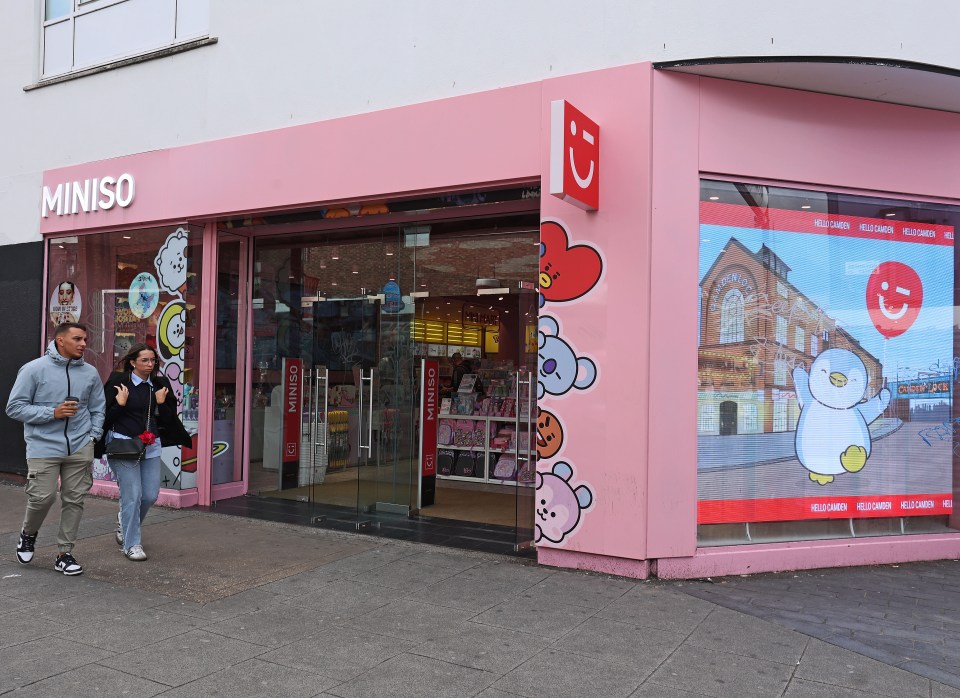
126	363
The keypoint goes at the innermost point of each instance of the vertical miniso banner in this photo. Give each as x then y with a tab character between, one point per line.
292	405
574	156
429	410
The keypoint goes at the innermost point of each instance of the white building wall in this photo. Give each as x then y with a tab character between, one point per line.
288	62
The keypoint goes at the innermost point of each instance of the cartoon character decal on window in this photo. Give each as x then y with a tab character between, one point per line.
559	368
559	504
566	272
832	434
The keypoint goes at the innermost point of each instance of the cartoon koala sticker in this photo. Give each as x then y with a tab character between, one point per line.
559	368
559	504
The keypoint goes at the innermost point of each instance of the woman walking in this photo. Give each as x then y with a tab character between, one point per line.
140	409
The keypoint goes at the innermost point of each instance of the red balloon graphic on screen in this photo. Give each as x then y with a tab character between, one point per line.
894	297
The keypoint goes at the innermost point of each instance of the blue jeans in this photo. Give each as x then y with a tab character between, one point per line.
139	488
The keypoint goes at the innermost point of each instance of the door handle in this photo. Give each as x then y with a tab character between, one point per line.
369	445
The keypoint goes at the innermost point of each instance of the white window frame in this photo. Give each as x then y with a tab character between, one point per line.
782	289
814	345
81	8
799	338
780	373
779	416
781	337
732	317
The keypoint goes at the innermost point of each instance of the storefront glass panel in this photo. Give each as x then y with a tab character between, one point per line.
354	312
826	365
135	286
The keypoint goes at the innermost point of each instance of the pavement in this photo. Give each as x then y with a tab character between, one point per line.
243	607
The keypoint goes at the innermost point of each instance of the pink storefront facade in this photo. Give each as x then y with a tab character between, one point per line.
623	493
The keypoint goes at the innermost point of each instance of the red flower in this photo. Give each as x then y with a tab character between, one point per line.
148	437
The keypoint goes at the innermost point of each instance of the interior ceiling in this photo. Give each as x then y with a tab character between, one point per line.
881	80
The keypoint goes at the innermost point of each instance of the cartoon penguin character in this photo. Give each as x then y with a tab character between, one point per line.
832	435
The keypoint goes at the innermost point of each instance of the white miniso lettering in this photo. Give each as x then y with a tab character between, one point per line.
89	195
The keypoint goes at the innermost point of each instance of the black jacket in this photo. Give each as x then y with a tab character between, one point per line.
169	427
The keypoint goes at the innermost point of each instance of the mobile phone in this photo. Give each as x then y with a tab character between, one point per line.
71	398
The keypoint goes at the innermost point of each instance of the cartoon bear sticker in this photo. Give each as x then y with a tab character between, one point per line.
832	434
559	504
559	368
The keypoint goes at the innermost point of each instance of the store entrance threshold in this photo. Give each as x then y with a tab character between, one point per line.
464	535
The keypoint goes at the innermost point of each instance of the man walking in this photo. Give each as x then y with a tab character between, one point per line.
60	401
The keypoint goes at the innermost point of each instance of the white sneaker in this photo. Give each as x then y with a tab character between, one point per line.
119	535
135	552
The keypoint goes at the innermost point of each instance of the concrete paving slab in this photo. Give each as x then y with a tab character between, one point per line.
344	599
413	676
123	632
728	631
276	625
184	658
483	647
255	678
650	689
90	681
613	641
407	576
722	675
411	620
542	616
17	628
26	663
204	558
657	606
227	607
581	589
826	663
338	652
469	593
570	676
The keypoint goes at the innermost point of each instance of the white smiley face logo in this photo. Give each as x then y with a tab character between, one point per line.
885	286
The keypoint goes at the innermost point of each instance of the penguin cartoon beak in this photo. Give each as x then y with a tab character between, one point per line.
838	379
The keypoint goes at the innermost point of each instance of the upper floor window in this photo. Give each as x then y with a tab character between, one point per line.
78	34
798	338
781	330
731	317
814	345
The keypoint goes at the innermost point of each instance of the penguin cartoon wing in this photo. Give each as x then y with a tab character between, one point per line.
875	406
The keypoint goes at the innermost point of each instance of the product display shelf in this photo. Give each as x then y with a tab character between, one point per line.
490	453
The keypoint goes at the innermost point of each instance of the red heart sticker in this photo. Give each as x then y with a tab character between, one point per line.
566	272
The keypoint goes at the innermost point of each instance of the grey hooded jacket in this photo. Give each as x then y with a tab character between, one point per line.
41	385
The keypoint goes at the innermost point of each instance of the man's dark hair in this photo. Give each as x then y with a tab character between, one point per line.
64	327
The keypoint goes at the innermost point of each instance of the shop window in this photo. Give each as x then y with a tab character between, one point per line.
796	478
79	34
749	419
781	337
780	373
129	287
708	421
731	317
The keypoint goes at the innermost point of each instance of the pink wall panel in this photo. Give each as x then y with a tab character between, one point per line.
672	502
605	424
789	135
442	145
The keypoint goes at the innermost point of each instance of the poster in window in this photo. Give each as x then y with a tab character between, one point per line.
825	381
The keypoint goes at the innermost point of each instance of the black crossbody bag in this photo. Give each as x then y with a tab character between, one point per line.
131	449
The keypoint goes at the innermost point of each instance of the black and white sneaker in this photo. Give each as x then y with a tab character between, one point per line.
68	565
25	547
119	535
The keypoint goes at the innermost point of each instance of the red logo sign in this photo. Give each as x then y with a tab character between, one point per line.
292	399
894	297
574	156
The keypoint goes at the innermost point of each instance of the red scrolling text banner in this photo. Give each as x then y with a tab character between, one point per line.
799	508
